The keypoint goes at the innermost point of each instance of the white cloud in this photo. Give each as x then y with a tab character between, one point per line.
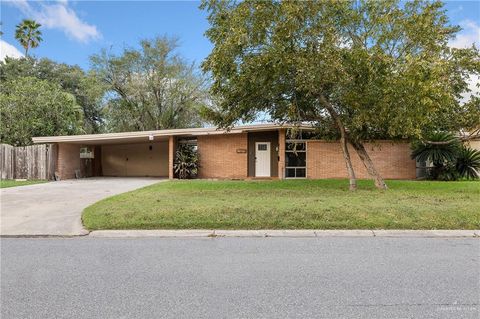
470	34
473	86
58	15
62	17
6	49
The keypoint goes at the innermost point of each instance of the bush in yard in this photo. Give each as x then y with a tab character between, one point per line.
185	165
468	163
449	158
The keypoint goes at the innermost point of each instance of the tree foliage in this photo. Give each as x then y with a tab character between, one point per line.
364	69
87	89
31	107
150	88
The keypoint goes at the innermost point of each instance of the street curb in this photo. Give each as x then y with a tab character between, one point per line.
44	236
150	233
82	233
426	233
301	233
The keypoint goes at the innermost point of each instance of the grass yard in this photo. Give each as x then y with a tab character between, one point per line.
290	204
4	183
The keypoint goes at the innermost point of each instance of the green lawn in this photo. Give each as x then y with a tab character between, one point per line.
4	183
290	204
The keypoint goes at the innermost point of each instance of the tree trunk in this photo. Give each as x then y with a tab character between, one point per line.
343	142
367	161
348	162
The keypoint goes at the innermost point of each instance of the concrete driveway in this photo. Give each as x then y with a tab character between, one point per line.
55	208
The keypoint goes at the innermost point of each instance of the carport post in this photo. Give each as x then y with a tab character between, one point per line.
281	153
171	156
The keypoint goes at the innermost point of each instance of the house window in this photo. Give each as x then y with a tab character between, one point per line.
262	147
189	141
296	160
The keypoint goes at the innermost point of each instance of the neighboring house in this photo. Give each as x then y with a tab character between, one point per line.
253	151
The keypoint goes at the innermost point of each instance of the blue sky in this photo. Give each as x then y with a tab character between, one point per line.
74	30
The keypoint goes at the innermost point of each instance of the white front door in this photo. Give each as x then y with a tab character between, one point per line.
262	159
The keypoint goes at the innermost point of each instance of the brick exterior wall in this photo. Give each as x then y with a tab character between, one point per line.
219	157
68	160
325	160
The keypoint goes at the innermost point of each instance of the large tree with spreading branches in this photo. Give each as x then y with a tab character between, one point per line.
359	70
150	88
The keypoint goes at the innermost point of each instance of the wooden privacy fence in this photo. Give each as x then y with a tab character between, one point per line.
30	162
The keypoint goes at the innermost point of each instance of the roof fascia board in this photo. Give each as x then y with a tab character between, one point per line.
161	133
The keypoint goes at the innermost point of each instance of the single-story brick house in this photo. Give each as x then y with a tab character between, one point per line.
251	151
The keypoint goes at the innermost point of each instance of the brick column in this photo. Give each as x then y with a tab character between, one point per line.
171	156
68	160
281	153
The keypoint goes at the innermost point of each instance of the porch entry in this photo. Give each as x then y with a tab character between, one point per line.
262	159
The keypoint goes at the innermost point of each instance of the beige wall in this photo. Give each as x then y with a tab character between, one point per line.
219	157
475	144
171	156
141	160
325	160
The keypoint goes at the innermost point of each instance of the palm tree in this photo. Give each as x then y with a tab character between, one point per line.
450	159
440	151
28	34
468	163
440	148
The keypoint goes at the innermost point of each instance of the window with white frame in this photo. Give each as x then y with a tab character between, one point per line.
295	159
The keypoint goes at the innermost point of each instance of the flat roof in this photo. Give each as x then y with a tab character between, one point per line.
159	135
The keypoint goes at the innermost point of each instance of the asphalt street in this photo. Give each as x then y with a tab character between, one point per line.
240	278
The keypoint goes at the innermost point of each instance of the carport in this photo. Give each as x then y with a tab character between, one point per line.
133	154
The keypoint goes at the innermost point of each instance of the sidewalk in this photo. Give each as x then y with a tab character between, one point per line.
302	233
